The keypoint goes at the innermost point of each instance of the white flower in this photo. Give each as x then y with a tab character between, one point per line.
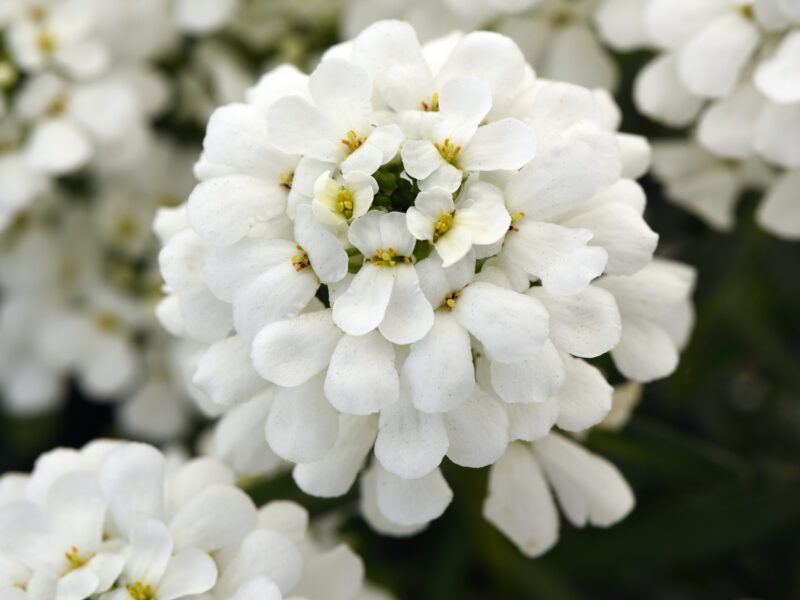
589	489
120	521
405	254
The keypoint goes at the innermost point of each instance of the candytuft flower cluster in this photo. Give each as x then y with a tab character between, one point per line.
415	250
121	521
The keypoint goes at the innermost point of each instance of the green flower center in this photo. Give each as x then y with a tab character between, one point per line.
388	258
139	591
442	226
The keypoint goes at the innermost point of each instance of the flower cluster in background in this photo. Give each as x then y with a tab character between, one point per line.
731	70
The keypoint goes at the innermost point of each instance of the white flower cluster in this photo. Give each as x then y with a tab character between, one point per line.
415	249
120	521
733	68
558	37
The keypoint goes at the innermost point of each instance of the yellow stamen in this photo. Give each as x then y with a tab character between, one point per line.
57	106
442	226
139	591
449	301
286	180
344	203
514	218
353	142
434	105
300	261
74	559
46	41
746	10
388	258
106	321
448	150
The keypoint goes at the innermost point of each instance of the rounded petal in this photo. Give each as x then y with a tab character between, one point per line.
409	315
477	430
362	377
519	503
585	398
511	326
534	379
409	502
291	351
410	443
779	211
363	306
218	516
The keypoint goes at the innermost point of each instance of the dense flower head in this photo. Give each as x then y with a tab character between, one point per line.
122	521
730	67
415	249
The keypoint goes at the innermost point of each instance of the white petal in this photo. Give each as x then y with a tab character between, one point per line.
488	56
622	232
132	477
589	488
587	324
578	163
660	95
328	258
334	475
728	126
532	421
711	62
151	548
264	553
778	78
190	572
438	372
363	306
620	23
296	127
463	104
302	426
279	293
343	92
771	139
77	509
585	398
482	211
223	209
391	53
336	574
779	211
237	136
372	514
533	379
559	256
239	437
519	503
285	517
511	326
218	516
260	588
412	501
362	377
477	430
420	158
57	147
225	373
291	351
409	315
410	443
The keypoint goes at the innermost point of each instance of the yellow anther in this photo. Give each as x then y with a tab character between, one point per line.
449	301
388	258
514	218
57	106
434	105
286	180
353	142
300	261
46	41
75	560
106	321
442	226
344	203
448	150
139	591
746	10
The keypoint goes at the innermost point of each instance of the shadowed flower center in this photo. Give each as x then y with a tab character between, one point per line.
442	226
107	321
300	261
514	218
434	105
449	301
76	561
353	142
46	41
344	203
448	150
388	258
286	180
139	591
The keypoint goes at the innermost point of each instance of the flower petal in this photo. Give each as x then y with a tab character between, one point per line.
477	430
411	502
